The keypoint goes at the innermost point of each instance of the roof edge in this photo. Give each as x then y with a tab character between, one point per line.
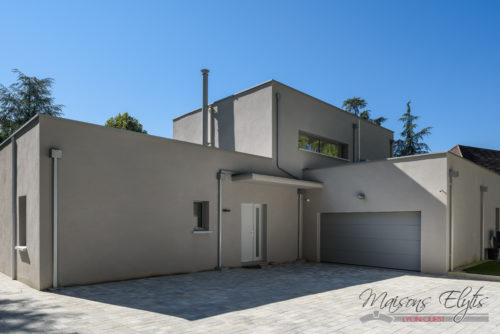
273	81
19	132
262	84
156	137
331	105
474	163
423	156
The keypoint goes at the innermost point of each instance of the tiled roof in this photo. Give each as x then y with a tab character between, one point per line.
481	156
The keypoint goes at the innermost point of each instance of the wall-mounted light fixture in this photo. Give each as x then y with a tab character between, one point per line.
361	196
308	200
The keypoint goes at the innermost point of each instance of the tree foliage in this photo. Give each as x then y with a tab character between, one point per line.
411	141
356	105
22	100
125	122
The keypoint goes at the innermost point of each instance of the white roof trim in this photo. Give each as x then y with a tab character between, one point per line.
276	180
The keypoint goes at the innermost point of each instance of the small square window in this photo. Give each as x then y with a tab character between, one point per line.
200	215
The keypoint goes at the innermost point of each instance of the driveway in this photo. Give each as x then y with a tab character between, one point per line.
301	298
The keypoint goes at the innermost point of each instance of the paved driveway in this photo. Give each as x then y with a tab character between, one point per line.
305	298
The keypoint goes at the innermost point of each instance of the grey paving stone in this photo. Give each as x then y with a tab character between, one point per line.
295	298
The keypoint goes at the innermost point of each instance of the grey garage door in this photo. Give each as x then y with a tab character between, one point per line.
382	239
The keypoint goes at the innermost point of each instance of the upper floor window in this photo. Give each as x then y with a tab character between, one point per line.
323	146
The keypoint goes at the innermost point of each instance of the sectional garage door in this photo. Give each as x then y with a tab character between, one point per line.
382	239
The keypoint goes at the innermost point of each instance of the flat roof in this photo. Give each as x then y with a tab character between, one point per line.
422	156
273	81
276	180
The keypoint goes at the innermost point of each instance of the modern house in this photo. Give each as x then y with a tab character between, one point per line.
268	175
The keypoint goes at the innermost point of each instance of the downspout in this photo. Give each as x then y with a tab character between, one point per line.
354	127
55	154
220	177
359	140
212	126
451	174
14	209
300	231
277	95
482	190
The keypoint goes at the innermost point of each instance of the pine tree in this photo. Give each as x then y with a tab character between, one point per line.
411	142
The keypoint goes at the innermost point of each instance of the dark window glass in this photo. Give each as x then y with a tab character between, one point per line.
323	146
200	215
22	221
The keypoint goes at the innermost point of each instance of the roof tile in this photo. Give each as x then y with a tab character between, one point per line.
481	156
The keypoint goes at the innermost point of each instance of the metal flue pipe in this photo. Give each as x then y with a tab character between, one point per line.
204	108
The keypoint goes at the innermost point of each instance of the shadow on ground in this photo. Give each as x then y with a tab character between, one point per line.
15	318
201	295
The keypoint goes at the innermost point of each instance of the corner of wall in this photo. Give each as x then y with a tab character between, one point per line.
45	212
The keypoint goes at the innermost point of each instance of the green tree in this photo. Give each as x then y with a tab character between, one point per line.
411	142
125	122
365	114
22	100
356	104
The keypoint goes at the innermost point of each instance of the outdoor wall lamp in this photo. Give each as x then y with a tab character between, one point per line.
361	196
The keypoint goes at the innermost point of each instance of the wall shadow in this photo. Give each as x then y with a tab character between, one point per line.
201	295
225	124
25	257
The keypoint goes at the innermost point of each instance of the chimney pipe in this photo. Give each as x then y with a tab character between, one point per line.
204	108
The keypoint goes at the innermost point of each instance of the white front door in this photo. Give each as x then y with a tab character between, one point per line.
251	232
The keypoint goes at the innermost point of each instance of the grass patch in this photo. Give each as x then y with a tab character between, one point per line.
486	268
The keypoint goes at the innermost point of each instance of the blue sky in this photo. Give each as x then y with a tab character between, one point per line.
144	57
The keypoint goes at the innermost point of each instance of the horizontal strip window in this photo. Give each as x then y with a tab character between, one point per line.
323	146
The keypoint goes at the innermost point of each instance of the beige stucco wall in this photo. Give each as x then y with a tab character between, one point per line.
188	127
404	184
246	122
28	262
126	203
466	208
242	123
301	112
6	209
282	221
28	184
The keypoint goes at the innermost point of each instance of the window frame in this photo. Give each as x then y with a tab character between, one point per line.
497	220
203	223
343	147
22	239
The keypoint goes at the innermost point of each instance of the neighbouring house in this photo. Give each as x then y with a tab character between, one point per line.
268	175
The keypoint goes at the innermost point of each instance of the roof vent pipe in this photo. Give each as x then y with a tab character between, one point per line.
204	108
